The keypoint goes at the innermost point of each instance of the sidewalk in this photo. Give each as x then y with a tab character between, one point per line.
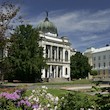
84	87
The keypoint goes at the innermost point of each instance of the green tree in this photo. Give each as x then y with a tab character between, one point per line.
25	55
94	72
79	66
8	12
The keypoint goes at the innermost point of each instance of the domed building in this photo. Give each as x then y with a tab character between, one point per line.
57	51
47	27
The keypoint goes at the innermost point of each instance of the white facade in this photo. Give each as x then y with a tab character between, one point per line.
99	59
57	51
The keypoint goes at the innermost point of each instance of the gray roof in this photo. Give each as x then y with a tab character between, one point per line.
47	26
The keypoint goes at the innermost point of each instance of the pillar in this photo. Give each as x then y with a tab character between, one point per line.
63	54
51	52
56	71
50	71
57	53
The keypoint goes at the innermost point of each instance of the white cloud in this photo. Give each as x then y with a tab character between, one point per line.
89	38
83	21
84	28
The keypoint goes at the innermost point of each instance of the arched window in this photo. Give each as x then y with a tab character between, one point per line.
66	55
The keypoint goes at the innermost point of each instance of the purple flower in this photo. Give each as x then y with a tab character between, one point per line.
11	96
24	102
35	106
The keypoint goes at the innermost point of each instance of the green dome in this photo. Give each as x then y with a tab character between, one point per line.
47	26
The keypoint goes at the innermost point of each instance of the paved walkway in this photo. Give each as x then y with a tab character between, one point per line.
66	87
83	87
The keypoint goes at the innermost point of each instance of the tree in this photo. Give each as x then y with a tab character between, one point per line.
79	66
103	101
76	101
8	11
25	56
94	72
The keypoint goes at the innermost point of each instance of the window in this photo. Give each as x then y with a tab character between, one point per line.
66	72
109	71
104	57
66	55
99	58
99	65
94	58
104	64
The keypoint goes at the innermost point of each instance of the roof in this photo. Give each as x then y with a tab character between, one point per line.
107	48
47	26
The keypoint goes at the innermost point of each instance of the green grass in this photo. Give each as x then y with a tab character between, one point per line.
82	81
57	92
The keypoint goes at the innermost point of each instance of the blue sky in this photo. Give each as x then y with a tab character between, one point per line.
86	23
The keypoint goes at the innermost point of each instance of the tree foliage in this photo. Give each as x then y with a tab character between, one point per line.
25	56
8	12
94	72
76	101
103	101
79	66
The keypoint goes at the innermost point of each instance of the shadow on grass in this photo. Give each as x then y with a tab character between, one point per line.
6	86
101	82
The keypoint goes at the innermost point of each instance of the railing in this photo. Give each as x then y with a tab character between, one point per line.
58	60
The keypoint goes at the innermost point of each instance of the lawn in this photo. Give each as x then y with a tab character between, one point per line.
57	92
82	81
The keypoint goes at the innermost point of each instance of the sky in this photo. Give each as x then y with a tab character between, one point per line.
86	23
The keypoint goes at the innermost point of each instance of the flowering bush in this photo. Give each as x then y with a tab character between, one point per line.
39	99
14	101
45	100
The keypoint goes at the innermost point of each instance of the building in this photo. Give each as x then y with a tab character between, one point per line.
99	59
57	51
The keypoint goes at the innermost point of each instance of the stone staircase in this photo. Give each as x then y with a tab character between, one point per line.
58	80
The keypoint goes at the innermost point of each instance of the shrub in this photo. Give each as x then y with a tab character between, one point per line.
45	100
76	101
14	101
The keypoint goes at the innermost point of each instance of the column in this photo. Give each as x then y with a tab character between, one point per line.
61	71
60	51
63	54
43	73
56	71
57	53
50	71
51	52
